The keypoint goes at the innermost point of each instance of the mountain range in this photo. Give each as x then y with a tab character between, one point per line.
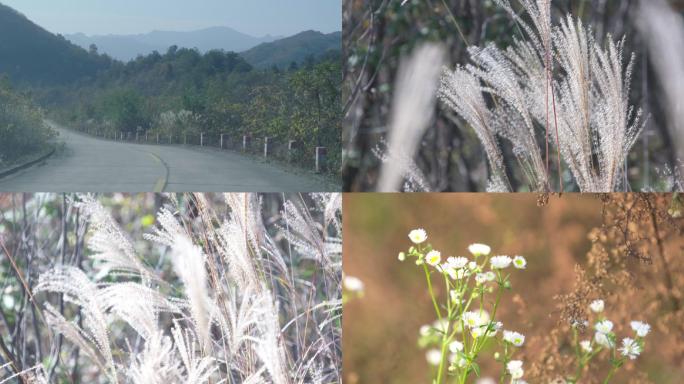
128	47
31	55
295	48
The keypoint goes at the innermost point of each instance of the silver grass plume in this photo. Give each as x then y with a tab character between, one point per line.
591	100
243	308
77	288
617	124
462	92
413	107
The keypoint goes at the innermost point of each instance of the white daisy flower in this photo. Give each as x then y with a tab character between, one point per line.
497	326
418	236
519	262
475	319
433	357
481	278
455	346
472	265
641	329
515	338
586	346
402	256
500	262
515	369
433	257
602	339
479	249
477	332
457	262
353	284
597	306
604	326
630	348
490	276
425	330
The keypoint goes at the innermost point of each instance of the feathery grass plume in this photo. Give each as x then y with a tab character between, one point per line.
588	104
268	345
461	91
412	111
574	47
198	368
249	294
32	375
664	31
617	124
156	364
77	288
238	242
111	245
414	179
189	265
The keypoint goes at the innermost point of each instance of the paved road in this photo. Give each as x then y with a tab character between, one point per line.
87	164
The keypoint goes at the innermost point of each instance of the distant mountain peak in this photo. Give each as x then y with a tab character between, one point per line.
128	47
293	49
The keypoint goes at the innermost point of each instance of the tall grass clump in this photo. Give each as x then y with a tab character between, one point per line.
555	84
245	293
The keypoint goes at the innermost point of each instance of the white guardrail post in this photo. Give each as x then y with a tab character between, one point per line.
321	153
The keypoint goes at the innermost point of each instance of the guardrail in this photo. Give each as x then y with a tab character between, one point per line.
290	151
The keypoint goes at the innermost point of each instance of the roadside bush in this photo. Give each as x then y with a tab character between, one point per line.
22	128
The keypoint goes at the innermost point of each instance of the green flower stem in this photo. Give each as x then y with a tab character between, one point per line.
613	369
477	346
446	338
505	362
578	355
432	294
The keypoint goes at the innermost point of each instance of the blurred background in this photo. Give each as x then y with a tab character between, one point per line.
381	328
377	34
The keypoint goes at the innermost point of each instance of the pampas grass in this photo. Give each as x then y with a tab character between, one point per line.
585	112
242	288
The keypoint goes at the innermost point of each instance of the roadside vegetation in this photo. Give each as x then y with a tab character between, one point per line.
23	132
184	93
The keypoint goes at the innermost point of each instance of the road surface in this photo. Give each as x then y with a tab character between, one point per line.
87	164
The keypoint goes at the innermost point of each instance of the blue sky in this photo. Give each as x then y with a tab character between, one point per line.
254	17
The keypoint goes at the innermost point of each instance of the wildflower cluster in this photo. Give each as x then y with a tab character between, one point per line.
466	320
605	339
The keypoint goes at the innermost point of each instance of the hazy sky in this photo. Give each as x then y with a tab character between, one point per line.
254	17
